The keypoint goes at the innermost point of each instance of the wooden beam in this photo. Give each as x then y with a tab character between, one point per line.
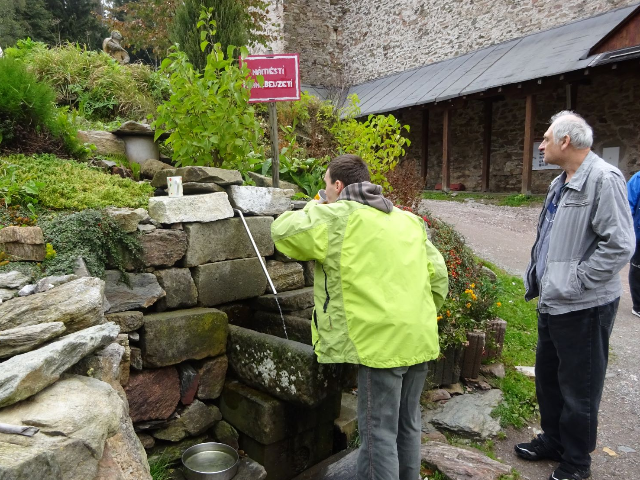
446	150
425	146
571	95
486	145
527	157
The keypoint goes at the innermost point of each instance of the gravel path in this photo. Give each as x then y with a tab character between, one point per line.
504	236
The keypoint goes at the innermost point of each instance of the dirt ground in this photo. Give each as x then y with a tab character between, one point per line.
504	236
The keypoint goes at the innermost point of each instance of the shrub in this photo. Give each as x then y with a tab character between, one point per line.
208	115
92	235
25	103
94	83
69	185
405	185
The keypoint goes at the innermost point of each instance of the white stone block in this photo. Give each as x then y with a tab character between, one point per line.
260	200
192	208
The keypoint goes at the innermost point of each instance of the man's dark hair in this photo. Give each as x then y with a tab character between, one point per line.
348	169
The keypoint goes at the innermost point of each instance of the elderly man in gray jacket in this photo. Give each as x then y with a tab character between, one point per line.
585	237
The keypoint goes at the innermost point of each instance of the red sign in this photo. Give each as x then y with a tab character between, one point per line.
281	75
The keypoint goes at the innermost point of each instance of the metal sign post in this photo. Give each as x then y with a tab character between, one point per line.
281	74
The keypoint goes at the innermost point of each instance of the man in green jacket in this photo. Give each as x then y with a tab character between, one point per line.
378	285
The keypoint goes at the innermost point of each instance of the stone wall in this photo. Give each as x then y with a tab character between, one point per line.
609	104
346	42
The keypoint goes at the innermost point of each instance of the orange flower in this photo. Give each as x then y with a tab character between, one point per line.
468	305
499	304
438	318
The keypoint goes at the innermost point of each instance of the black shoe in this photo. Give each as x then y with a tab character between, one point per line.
569	472
537	449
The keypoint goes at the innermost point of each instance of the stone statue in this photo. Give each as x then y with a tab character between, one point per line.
112	46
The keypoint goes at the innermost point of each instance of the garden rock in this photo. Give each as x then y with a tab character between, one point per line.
143	292
127	218
490	274
78	304
193	188
7	294
106	143
264	181
103	365
260	200
173	452
146	228
227	240
180	287
14	280
27	290
196	419
493	370
136	358
461	464
225	433
80	268
172	337
527	371
285	369
228	281
309	269
163	248
191	208
189	381
23	243
290	301
25	375
127	321
212	374
47	283
151	166
24	339
153	394
298	329
131	127
285	276
221	176
470	415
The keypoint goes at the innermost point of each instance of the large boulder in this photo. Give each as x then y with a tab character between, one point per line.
14	279
152	166
196	419
180	287
211	376
142	291
25	375
127	321
127	218
23	243
24	339
153	394
192	208
77	417
228	281
285	369
169	338
264	181
106	143
460	463
285	276
163	248
260	200
470	415
227	240
219	176
77	304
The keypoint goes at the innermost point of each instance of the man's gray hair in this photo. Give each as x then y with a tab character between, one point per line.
570	123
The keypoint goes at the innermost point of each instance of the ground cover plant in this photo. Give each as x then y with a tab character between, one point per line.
506	199
69	185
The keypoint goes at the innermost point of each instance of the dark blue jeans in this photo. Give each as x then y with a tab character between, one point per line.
634	278
571	362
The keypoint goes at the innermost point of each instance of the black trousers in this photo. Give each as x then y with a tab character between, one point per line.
634	278
571	362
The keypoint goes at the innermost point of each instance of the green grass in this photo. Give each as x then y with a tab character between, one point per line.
69	185
508	200
161	468
519	405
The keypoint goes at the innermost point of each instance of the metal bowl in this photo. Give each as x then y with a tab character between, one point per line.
210	461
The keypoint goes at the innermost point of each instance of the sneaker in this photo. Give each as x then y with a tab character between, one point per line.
537	449
569	472
633	311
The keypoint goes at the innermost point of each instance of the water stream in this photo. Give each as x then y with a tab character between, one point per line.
264	269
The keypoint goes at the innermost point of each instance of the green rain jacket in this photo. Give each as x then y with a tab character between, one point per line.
378	280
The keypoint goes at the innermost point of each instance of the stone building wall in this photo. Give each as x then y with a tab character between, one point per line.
381	38
609	104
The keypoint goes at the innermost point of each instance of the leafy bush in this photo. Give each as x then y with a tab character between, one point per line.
92	235
69	185
378	139
25	103
13	192
93	82
208	115
406	185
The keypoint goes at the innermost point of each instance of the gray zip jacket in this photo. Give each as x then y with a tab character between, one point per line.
592	239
